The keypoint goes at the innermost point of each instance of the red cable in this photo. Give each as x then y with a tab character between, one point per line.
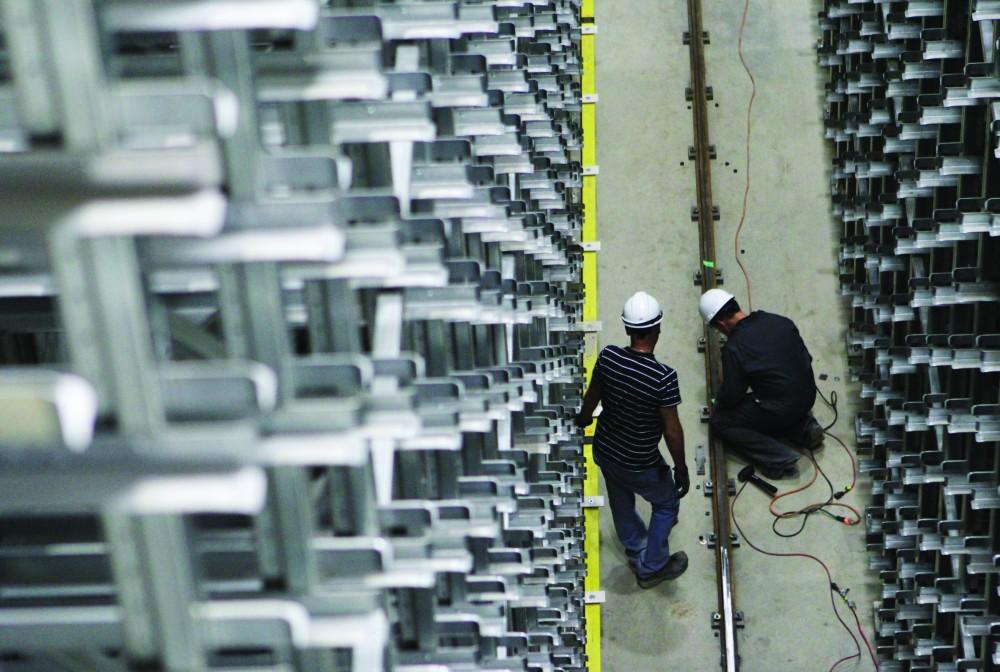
829	577
746	190
861	631
817	470
749	286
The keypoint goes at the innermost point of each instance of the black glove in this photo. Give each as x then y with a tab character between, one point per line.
682	480
583	421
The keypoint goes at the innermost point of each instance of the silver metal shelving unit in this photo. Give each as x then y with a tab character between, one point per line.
913	113
290	335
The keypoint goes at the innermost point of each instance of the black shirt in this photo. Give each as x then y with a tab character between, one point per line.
634	387
766	353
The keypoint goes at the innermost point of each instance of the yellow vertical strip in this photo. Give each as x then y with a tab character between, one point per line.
587	79
590	207
591	516
589	360
592	547
592	551
590	286
589	119
593	613
590	483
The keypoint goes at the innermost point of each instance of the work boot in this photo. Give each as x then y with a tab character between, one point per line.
807	434
676	565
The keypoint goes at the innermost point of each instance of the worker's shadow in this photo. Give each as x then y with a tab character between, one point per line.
621	580
617	576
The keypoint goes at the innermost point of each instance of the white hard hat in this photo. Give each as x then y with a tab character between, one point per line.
712	302
641	311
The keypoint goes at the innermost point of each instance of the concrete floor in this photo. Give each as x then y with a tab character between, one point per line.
648	241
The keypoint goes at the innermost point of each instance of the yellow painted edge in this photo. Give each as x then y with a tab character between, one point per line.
593	648
591	520
590	483
587	81
588	117
590	286
589	360
593	612
591	516
592	548
590	209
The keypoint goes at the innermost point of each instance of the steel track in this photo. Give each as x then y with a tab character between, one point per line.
725	619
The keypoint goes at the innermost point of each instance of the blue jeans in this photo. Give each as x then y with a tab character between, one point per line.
647	549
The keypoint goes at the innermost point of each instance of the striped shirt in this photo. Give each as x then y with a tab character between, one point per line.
634	387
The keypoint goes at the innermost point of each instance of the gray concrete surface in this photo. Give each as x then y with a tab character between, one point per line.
645	192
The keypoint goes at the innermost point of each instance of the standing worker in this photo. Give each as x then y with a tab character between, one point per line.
766	354
639	398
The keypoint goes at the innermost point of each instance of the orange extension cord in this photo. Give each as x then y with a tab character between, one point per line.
816	507
746	170
846	520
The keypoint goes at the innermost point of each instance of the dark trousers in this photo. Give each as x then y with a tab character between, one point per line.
646	548
753	431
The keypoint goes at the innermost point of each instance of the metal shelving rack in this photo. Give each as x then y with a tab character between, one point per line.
291	335
913	113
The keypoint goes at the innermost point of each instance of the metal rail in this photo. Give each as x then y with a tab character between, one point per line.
724	620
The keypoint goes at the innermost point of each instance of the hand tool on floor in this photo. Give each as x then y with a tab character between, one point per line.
747	473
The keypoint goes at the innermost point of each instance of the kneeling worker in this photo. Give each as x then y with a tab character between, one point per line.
639	398
766	354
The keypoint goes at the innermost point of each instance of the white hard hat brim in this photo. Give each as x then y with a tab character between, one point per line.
645	324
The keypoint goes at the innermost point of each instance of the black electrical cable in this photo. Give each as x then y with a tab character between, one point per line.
826	570
807	511
861	631
821	507
832	403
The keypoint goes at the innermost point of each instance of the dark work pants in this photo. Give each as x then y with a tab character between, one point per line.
646	547
752	431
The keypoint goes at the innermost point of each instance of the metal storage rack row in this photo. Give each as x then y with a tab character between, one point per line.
913	113
290	335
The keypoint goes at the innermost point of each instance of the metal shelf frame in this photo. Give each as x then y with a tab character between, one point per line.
292	335
911	114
